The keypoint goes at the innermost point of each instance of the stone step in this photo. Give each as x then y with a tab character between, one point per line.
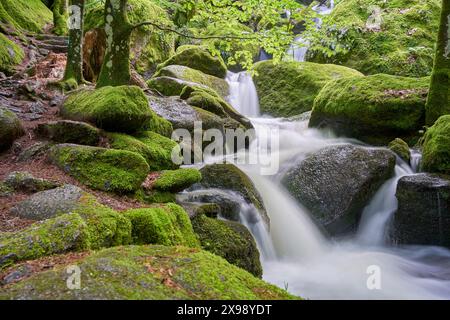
52	47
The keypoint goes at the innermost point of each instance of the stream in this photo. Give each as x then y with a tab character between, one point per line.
296	255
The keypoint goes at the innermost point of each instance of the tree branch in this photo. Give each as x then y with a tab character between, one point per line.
162	28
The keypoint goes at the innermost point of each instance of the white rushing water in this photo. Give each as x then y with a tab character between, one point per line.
308	263
299	48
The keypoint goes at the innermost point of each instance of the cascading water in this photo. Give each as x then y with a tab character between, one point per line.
299	48
308	263
243	96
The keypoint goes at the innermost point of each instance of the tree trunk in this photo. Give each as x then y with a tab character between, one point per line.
59	9
438	102
116	64
74	66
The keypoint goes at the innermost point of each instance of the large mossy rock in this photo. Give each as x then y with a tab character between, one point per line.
436	147
11	54
156	149
67	131
24	181
198	58
403	44
423	215
229	240
289	88
148	272
401	148
122	109
149	46
230	177
25	15
10	128
118	171
176	180
191	75
80	223
375	109
162	224
336	182
169	86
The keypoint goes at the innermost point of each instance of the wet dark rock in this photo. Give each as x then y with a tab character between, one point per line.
67	131
423	215
337	182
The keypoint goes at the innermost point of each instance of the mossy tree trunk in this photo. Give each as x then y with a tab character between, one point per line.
59	9
438	102
115	69
74	66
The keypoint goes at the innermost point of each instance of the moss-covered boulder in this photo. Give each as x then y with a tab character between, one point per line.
118	171
67	131
10	128
336	183
230	177
229	240
401	148
162	224
289	88
375	109
156	149
123	109
58	235
149	45
423	214
25	15
25	182
151	272
394	37
436	147
177	180
11	54
191	75
169	86
79	225
197	57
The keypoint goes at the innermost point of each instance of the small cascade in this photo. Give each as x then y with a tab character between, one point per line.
299	48
416	159
243	96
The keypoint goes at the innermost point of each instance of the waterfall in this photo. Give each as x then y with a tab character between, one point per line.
299	48
243	96
416	158
297	255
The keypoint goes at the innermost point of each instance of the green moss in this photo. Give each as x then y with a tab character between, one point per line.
66	131
58	235
151	272
118	171
229	240
289	88
28	15
123	108
403	46
149	46
172	86
10	54
191	75
10	128
177	180
156	149
401	148
436	147
25	182
206	102
60	17
200	59
5	190
374	109
154	196
162	224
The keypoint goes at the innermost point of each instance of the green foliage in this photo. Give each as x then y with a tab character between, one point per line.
375	109
289	88
11	54
111	170
229	240
162	224
436	147
123	108
151	272
177	180
404	44
156	149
